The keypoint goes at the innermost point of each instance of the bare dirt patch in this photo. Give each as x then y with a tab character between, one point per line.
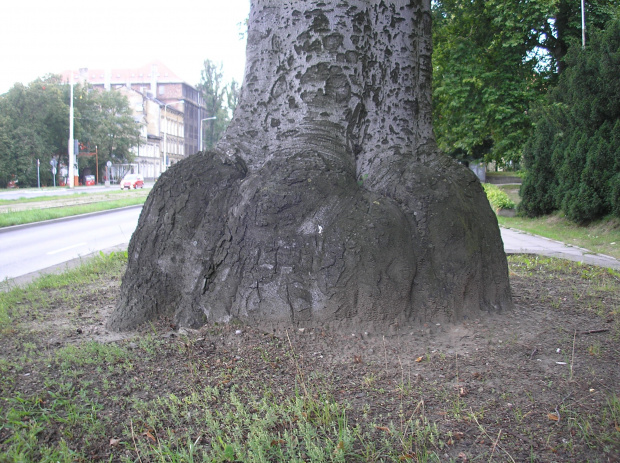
541	383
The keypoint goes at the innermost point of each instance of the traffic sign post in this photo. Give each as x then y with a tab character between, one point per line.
107	173
53	163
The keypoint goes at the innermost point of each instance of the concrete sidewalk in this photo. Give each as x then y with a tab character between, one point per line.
519	242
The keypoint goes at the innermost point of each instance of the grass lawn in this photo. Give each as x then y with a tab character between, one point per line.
535	384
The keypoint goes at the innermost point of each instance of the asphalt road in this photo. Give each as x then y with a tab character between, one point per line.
28	250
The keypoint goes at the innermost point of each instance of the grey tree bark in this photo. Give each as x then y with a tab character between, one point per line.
326	201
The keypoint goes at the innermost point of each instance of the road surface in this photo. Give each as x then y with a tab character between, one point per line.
31	248
27	250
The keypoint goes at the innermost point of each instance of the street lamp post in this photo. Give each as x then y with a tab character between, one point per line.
583	25
201	133
166	132
71	150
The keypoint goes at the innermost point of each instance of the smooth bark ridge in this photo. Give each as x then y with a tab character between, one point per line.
326	202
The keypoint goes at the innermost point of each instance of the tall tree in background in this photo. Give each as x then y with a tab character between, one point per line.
493	60
564	26
105	120
326	201
33	125
214	91
233	92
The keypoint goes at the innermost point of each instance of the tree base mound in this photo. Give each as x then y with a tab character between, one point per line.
309	245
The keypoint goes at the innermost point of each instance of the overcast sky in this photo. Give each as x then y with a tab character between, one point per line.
39	37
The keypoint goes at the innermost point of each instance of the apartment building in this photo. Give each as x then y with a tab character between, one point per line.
179	123
149	159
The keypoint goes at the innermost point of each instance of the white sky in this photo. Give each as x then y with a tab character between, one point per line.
40	37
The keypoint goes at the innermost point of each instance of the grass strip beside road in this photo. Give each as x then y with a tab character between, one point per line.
8	219
60	197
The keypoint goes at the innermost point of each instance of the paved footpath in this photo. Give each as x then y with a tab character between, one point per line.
519	242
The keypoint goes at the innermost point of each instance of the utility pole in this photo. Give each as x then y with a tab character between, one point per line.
71	147
583	24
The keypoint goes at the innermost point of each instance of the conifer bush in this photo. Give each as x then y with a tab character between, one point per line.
573	157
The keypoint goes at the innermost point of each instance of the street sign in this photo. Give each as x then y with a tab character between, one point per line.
109	163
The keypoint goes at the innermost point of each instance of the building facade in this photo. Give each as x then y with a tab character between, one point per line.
178	131
148	155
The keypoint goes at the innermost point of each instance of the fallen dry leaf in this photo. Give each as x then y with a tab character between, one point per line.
553	417
419	359
462	456
406	456
149	435
383	428
114	442
617	428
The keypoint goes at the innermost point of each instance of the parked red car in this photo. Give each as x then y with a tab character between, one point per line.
132	181
89	180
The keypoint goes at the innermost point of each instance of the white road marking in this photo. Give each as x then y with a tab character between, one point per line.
51	253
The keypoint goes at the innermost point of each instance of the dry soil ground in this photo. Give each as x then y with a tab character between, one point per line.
541	383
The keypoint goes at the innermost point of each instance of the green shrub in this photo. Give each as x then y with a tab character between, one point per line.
498	198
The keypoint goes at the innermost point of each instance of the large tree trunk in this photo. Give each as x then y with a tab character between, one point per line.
327	200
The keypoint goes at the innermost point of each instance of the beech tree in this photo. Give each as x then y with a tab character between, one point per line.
326	201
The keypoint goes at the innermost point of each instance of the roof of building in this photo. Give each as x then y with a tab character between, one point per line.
141	74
